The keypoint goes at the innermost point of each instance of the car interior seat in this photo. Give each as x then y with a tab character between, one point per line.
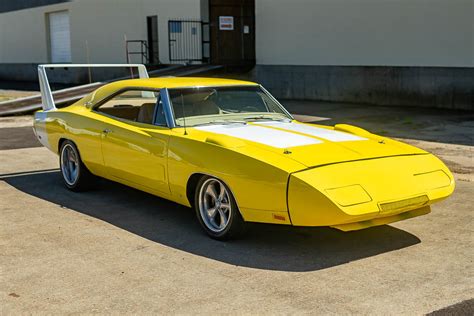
145	114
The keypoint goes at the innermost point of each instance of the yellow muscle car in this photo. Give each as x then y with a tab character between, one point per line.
231	151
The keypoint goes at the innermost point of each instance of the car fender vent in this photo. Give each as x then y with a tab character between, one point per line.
224	142
352	130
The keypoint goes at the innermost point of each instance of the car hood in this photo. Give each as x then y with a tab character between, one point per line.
308	144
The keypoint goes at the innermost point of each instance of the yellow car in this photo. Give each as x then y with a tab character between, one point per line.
231	151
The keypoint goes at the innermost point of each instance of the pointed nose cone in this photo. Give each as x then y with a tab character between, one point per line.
366	190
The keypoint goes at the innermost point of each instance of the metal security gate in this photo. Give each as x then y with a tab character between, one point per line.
188	41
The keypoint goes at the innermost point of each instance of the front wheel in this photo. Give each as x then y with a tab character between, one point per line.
217	210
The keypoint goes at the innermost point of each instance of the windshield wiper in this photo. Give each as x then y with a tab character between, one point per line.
263	117
222	122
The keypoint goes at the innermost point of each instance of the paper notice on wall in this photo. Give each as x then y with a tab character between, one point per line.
226	23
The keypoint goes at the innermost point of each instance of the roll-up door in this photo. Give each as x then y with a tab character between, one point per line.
60	37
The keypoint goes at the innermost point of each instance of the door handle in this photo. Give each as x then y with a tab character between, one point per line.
106	131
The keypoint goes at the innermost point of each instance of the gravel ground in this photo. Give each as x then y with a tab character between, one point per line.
6	95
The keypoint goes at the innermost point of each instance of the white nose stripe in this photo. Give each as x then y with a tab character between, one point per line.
263	135
331	135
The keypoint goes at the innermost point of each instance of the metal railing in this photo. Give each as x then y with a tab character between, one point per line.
142	50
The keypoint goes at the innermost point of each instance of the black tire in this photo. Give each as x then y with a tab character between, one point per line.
82	180
235	225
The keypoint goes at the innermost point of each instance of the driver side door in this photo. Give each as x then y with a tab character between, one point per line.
135	140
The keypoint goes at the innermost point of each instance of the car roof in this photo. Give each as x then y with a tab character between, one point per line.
163	82
180	82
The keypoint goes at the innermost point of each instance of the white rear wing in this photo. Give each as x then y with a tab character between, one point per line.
47	99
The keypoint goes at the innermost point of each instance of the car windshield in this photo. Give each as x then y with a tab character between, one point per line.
223	105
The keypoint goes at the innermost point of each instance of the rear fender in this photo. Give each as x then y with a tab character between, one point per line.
39	128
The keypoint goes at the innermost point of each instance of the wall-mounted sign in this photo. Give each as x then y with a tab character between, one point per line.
226	23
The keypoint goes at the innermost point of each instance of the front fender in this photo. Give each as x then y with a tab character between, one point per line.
259	187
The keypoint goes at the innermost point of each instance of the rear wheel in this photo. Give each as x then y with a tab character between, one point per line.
75	174
217	210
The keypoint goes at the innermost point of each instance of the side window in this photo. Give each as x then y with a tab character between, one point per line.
133	105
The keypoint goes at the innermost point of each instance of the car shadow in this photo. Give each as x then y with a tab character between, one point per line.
270	247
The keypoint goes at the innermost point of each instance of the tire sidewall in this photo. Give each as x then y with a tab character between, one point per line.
79	164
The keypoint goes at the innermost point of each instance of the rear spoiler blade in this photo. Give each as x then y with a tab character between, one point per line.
47	99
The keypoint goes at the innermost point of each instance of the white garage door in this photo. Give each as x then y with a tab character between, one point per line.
60	37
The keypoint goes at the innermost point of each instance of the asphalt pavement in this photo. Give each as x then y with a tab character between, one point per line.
117	250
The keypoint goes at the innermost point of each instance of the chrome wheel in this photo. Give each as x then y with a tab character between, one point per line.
215	206
69	164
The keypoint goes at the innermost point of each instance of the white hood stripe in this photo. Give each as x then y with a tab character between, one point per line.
327	134
263	135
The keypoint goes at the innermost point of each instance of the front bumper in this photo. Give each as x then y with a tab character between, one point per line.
377	221
359	194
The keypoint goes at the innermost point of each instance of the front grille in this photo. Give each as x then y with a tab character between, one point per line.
404	204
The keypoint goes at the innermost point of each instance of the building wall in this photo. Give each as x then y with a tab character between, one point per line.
23	36
437	87
388	52
385	52
365	32
103	24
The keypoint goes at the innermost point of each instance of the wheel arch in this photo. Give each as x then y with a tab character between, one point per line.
191	186
61	141
193	181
